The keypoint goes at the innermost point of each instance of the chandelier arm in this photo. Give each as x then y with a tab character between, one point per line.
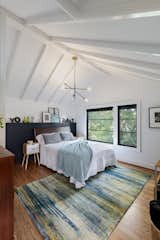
80	95
75	76
82	89
74	88
67	85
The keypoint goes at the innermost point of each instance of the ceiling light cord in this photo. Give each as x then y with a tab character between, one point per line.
75	65
75	88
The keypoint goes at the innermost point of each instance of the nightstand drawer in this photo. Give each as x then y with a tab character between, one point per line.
32	149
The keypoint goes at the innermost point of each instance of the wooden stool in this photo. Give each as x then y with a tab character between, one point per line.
30	149
155	232
157	177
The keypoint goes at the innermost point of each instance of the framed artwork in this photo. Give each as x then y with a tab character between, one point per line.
55	118
46	117
154	117
51	110
54	110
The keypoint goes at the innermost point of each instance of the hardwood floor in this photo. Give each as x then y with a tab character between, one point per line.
135	225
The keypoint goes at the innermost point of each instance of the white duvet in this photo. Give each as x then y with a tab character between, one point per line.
102	158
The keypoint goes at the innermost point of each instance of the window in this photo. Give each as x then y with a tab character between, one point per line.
127	125
100	125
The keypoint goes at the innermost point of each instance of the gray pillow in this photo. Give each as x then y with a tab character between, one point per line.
52	138
67	136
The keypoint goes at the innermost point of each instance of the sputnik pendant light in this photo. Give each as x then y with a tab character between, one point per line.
76	90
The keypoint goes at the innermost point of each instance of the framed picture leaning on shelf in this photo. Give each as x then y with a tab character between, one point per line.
55	116
46	117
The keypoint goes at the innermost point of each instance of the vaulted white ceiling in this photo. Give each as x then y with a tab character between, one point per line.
108	36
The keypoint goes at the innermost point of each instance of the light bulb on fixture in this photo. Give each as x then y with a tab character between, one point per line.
85	99
89	89
74	97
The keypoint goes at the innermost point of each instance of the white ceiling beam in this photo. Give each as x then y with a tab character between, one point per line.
55	17
126	46
61	84
49	78
69	8
33	71
13	54
147	66
131	70
20	23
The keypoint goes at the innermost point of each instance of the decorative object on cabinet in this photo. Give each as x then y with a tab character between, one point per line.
30	149
154	117
55	118
26	119
53	110
6	194
46	117
12	120
1	122
15	120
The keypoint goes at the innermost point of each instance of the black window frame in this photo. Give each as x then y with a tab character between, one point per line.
96	110
129	106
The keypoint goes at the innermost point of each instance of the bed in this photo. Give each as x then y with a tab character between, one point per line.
102	155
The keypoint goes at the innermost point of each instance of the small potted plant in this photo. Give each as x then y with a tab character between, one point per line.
1	122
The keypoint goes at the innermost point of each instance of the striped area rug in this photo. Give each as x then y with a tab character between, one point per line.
91	213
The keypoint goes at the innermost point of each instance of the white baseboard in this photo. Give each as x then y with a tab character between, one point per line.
140	164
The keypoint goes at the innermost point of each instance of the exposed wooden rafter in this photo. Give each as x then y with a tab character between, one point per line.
31	75
49	78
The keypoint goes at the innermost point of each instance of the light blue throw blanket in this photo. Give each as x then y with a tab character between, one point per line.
75	159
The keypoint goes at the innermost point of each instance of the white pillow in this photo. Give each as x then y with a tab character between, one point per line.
40	139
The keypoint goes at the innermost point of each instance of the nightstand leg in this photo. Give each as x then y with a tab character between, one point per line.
34	158
24	157
38	160
26	162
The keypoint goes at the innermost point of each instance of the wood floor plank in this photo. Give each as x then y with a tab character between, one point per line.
135	225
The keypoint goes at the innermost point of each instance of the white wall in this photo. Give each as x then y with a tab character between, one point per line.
114	89
3	83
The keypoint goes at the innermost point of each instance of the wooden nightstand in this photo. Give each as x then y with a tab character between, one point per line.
30	149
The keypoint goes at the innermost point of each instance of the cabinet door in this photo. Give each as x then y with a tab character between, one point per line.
6	197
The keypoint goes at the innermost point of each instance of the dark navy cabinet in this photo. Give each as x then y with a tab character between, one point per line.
19	133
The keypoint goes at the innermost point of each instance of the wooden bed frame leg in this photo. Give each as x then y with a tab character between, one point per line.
38	160
24	158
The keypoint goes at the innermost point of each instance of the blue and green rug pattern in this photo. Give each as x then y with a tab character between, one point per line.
61	212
